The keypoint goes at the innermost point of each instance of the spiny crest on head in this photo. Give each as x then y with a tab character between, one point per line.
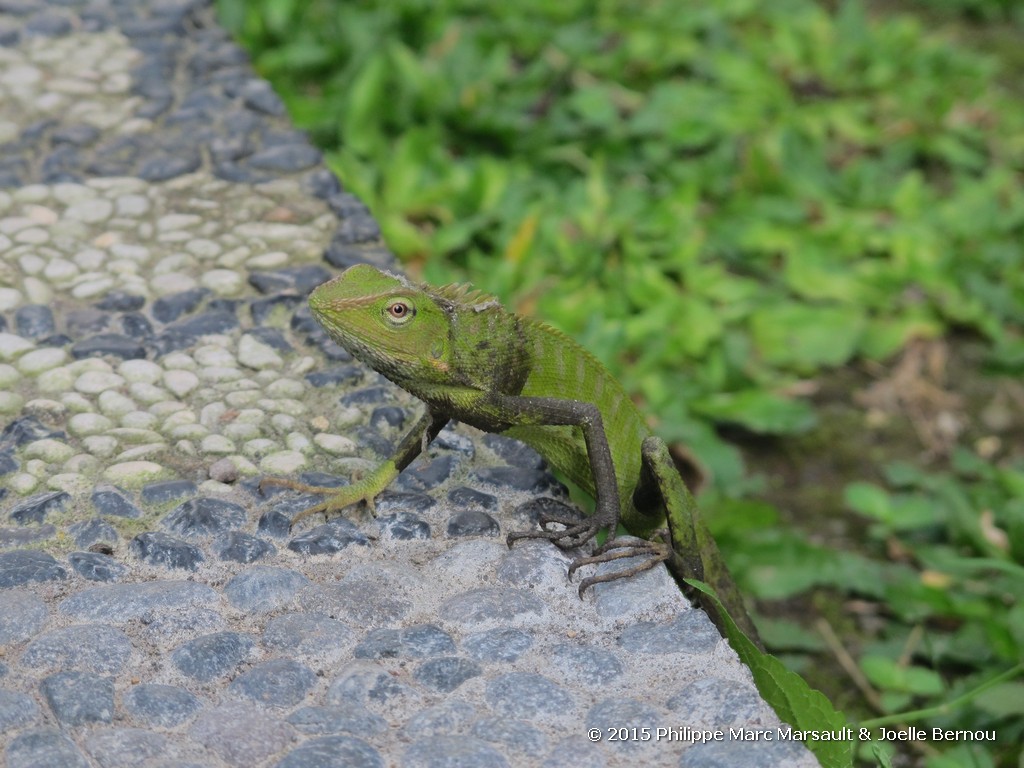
462	295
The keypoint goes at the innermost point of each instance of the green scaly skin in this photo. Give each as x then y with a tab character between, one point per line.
469	359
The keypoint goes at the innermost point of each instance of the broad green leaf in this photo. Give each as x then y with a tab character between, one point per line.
890	675
787	693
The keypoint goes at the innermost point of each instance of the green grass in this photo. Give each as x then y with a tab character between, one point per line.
730	203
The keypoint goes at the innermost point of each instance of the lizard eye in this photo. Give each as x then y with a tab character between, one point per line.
399	311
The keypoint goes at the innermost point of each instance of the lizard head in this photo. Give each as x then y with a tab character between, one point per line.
385	321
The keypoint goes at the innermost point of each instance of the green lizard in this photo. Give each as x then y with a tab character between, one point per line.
469	359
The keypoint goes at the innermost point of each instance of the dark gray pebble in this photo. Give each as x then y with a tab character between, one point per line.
280	683
492	603
157	548
333	752
48	24
264	588
169	308
35	508
109	500
137	326
167	490
514	452
452	751
88	532
8	463
125	602
472	522
328	538
450	440
164	166
119	301
416	642
447	673
527	695
516	478
16	710
301	279
22	615
750	754
422	476
113	344
351	719
272	337
23	536
34	321
93	648
26	429
690	632
718	702
624	713
22	566
287	158
262	310
499	644
274	523
452	716
183	333
337	374
593	666
367	396
306	634
393	502
403	526
79	698
260	96
385	416
212	656
81	323
367	686
44	748
240	547
470	498
125	746
96	566
162	706
514	735
204	516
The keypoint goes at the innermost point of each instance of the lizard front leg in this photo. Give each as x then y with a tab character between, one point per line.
366	489
550	411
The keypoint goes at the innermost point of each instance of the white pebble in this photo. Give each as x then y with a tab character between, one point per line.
100	446
223	282
76	403
180	382
8	375
147	393
22	483
60	270
38	360
210	355
10	298
283	462
139	420
94	382
133	473
260	446
335	444
286	388
12	346
91	288
48	450
256	354
10	402
179	360
242	398
140	371
55	380
84	424
114	404
217	444
90	211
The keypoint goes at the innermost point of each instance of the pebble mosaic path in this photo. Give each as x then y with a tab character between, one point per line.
161	223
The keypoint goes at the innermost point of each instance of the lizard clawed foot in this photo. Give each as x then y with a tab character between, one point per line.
614	549
575	532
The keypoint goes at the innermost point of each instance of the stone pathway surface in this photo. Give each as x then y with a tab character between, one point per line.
161	223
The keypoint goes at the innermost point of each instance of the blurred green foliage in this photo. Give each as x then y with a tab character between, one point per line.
721	200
